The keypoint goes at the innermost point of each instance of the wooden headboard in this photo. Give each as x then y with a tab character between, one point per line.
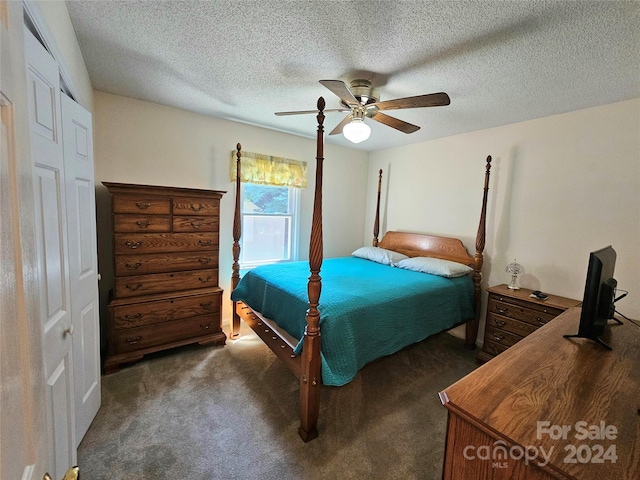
419	245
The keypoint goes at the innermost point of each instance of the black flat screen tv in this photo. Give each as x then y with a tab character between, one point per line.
599	296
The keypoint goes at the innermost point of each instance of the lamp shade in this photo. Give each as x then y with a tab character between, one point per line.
356	131
515	269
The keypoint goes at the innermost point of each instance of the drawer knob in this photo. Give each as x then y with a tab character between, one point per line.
206	326
204	243
131	244
134	287
204	261
501	310
204	280
133	266
498	337
541	322
196	208
133	317
143	224
196	225
133	341
500	323
142	205
206	305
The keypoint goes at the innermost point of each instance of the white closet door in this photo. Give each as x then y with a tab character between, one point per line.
22	453
83	261
43	89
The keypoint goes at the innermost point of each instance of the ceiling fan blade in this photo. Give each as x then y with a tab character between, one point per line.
302	112
396	123
341	125
430	100
341	90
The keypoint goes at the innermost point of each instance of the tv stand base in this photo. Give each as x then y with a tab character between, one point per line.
595	339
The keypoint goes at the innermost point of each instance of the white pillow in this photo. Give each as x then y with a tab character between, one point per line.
379	255
435	266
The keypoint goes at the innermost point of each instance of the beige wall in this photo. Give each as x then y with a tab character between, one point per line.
560	187
143	142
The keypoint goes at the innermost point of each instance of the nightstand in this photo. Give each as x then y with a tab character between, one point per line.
513	314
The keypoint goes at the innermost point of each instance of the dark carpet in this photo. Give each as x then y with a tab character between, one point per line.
204	413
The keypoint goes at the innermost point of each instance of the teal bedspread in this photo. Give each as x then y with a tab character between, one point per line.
367	310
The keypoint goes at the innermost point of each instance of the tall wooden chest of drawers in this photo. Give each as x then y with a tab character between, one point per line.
513	314
166	293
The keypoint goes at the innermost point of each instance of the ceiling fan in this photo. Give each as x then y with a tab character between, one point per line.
361	100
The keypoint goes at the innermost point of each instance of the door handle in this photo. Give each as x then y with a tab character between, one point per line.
72	474
67	331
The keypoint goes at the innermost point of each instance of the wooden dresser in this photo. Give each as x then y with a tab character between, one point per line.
166	292
549	407
513	314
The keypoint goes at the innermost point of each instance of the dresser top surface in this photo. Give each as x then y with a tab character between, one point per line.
561	381
524	294
161	190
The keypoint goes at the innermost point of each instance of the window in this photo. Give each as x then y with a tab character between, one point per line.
269	224
269	199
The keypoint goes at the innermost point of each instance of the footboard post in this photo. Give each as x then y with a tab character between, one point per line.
376	220
237	231
478	260
310	378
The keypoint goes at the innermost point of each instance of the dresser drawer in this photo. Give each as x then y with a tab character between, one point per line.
510	325
126	265
146	313
141	223
195	224
164	282
534	316
138	338
196	206
493	348
143	204
160	243
502	337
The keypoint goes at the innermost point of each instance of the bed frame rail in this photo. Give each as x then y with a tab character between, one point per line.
267	331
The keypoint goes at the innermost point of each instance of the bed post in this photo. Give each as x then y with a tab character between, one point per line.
376	221
478	259
237	231
310	378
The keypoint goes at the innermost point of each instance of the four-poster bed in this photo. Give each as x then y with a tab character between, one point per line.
303	354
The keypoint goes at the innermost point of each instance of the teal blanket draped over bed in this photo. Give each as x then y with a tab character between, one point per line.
367	310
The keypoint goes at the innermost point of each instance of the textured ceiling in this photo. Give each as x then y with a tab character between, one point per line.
500	62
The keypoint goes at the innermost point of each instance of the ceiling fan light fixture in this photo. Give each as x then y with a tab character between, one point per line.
356	131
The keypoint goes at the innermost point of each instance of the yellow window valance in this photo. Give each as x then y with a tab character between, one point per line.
268	170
